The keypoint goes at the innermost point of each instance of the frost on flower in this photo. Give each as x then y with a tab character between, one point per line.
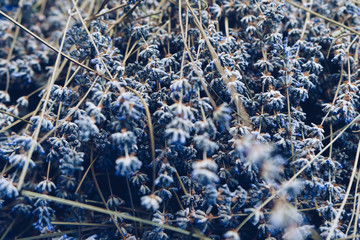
231	235
284	214
204	171
151	202
20	159
298	233
126	165
7	189
46	185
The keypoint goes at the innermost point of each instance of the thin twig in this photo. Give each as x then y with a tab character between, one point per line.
82	224
50	46
100	193
236	98
105	12
85	174
298	173
12	115
37	130
70	113
122	17
8	229
49	235
323	17
151	130
118	214
334	224
91	39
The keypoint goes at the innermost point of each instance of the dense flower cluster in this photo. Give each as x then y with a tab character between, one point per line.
222	119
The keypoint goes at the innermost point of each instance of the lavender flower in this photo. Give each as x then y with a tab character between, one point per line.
151	202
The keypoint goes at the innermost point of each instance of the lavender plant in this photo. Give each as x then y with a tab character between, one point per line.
223	119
